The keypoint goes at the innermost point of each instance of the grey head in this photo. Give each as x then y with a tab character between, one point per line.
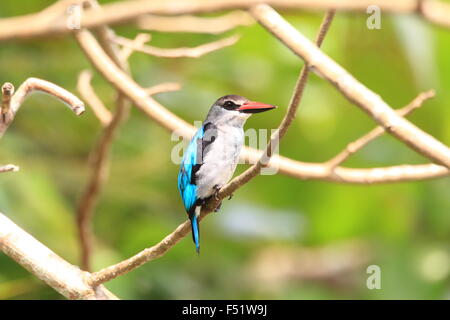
235	110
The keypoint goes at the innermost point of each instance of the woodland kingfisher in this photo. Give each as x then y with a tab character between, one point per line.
213	153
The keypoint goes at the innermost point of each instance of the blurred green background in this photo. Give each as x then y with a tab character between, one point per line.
278	238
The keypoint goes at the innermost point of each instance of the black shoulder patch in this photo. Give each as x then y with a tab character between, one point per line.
209	135
194	171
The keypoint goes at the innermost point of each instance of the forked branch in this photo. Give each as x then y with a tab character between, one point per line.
13	101
194	52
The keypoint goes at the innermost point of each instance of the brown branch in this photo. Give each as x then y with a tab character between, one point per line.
351	88
188	23
100	155
31	85
289	167
168	242
99	174
194	52
163	87
7	92
138	41
357	145
38	25
65	278
9	168
88	94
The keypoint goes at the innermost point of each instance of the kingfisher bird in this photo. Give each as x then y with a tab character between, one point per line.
213	153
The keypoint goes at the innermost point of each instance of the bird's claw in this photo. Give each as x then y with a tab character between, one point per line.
231	196
216	192
218	207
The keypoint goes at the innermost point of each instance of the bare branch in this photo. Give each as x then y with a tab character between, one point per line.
357	145
100	154
88	200
31	85
7	92
65	278
34	25
138	41
194	52
88	94
163	87
188	23
351	88
9	168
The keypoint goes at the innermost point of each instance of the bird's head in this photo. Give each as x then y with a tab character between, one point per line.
234	108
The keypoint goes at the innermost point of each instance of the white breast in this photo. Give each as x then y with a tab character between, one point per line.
220	162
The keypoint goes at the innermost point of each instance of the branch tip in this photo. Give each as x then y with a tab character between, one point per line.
9	168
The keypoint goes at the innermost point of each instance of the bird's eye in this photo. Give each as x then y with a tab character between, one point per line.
229	105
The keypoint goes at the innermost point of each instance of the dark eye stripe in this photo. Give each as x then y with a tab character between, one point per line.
230	105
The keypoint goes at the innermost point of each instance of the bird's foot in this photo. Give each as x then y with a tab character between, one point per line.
218	207
216	192
231	196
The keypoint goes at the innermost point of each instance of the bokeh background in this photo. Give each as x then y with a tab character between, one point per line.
278	238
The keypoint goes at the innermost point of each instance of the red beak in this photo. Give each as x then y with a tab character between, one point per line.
255	107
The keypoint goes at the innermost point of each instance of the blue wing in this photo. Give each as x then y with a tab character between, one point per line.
186	176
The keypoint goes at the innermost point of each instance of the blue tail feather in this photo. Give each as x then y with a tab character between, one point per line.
195	232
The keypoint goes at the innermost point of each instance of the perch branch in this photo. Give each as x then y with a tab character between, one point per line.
194	52
188	23
65	278
88	94
357	145
29	86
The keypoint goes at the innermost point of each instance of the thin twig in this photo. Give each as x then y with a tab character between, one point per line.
97	178
194	52
100	155
138	41
188	23
357	145
163	87
88	94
